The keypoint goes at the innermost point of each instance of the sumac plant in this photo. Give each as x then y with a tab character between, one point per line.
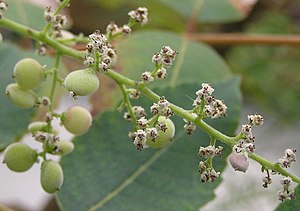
167	149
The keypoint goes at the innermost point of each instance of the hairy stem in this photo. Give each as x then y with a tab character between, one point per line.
127	102
54	81
38	36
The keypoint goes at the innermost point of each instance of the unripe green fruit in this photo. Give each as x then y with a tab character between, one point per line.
164	138
51	176
19	157
64	148
20	97
82	82
77	120
36	126
28	73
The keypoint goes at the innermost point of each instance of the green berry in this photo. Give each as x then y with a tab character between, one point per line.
82	82
164	138
20	97
28	73
64	148
36	126
19	157
77	120
51	176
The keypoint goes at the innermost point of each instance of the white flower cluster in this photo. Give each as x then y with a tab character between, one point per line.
98	49
189	127
146	77
210	151
286	193
161	108
213	108
165	57
139	15
141	136
112	29
267	180
207	174
138	111
246	145
57	21
162	60
144	132
288	158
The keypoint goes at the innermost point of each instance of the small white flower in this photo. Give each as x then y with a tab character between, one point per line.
146	77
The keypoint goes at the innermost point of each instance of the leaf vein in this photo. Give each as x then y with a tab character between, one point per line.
180	59
128	181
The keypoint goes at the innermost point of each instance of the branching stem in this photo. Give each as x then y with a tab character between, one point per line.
127	102
38	36
123	81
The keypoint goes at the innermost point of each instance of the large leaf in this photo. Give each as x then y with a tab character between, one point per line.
292	204
99	13
106	172
211	11
26	13
195	62
13	120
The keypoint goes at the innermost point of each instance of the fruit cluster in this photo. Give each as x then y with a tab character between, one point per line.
19	157
28	74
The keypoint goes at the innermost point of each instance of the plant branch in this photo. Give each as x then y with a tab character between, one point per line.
124	81
53	87
36	35
238	38
274	166
231	141
54	81
127	102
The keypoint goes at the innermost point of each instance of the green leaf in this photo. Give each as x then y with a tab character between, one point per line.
14	120
209	11
26	13
160	15
195	62
106	172
292	204
271	74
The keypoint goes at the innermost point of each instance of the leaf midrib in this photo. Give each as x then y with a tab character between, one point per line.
183	46
110	196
